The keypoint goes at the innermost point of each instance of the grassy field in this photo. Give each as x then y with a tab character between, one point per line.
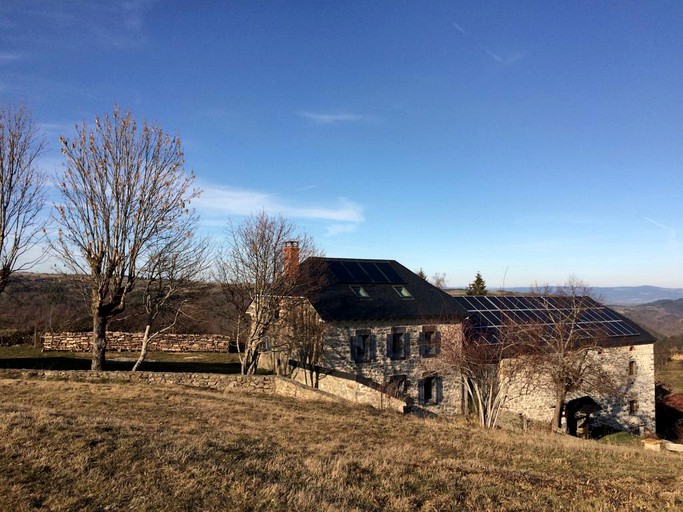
672	375
23	356
82	446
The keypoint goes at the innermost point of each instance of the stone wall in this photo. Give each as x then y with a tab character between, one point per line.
534	398
132	341
267	384
380	369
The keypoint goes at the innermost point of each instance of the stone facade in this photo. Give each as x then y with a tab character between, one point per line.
132	341
631	406
363	381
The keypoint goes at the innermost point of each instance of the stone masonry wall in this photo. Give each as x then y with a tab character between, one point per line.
267	384
337	355
132	341
537	401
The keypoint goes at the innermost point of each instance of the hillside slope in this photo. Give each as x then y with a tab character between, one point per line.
84	446
663	316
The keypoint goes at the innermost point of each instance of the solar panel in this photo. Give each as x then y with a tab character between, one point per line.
340	272
357	273
392	276
489	313
373	272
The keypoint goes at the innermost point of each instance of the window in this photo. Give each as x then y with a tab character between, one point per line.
398	343
363	347
430	341
633	407
403	292
632	368
360	292
431	390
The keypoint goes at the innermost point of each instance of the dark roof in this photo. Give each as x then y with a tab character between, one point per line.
337	299
486	314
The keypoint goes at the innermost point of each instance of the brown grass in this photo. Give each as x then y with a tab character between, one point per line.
81	446
671	374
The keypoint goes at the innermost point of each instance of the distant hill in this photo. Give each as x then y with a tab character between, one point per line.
661	316
629	295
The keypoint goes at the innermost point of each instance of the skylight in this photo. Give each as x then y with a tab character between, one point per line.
360	292
403	292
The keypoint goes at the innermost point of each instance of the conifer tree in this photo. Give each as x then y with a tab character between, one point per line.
477	287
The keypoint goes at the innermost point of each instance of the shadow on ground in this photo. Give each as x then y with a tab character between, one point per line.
73	363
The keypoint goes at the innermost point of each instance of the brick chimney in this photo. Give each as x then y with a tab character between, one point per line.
291	252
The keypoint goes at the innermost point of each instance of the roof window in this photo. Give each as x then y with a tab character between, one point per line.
403	292
360	292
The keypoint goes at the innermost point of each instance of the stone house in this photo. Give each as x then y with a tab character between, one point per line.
382	336
382	328
617	350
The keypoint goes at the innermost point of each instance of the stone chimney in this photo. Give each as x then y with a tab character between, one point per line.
291	253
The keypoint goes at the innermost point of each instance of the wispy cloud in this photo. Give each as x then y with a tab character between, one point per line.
459	28
217	202
7	57
331	118
507	59
670	232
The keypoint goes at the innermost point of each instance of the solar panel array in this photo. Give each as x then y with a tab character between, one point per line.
365	272
489	313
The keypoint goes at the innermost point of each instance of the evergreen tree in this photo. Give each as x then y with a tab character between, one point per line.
421	274
477	287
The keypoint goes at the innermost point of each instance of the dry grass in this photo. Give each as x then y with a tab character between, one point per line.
81	446
672	375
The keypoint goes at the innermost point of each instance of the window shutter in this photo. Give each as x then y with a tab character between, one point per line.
373	347
423	348
439	389
406	338
352	347
437	342
389	339
421	392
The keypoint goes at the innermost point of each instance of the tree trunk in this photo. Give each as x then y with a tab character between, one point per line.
250	361
557	413
143	350
99	342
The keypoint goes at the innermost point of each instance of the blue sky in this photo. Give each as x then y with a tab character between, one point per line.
525	140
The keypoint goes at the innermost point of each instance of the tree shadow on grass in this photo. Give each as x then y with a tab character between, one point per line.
75	363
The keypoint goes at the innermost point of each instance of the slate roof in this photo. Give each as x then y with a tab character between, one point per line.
382	281
486	313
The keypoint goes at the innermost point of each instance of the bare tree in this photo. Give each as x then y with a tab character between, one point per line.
487	366
439	279
123	193
306	332
172	277
21	191
254	274
564	343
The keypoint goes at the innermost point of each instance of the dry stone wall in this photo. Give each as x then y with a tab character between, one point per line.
132	341
266	384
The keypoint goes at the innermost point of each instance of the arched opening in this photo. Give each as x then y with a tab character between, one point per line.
578	414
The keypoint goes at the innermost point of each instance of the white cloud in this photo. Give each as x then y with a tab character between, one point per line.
7	57
331	118
217	201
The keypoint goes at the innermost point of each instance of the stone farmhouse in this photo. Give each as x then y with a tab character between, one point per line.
382	333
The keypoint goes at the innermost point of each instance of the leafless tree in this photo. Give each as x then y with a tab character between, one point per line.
563	345
21	191
123	193
487	366
305	337
172	277
253	274
439	279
